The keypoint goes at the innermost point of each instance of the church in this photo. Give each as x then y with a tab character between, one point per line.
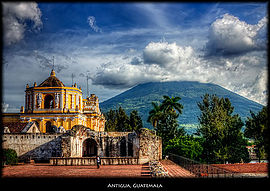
58	125
55	107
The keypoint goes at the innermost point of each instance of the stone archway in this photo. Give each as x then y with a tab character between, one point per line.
89	147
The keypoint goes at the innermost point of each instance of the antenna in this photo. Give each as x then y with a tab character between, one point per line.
72	76
87	94
53	63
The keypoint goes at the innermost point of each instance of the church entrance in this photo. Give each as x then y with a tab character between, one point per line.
89	148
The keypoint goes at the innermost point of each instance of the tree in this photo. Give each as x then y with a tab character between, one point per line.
164	119
221	130
135	121
171	104
155	114
167	127
122	120
257	129
186	146
111	121
118	120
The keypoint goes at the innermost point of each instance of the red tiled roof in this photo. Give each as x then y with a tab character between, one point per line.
245	167
15	127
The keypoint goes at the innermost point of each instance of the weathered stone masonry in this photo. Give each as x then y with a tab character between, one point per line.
39	146
81	142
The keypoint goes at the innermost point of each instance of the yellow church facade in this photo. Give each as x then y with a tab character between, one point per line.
54	106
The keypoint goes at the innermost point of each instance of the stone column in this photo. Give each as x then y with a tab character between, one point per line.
126	137
72	101
26	101
77	101
39	100
56	100
61	101
81	103
42	126
66	101
30	102
65	123
34	101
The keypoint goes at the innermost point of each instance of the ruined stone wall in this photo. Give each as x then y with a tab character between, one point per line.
145	146
109	144
150	146
35	145
121	144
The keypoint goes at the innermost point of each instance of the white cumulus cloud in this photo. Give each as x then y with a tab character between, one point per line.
160	61
163	61
166	55
15	16
229	35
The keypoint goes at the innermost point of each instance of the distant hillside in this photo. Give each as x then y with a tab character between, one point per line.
140	97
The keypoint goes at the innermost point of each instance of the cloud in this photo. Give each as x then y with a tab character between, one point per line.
156	13
92	23
118	75
163	61
4	107
59	63
166	55
228	35
160	61
15	16
136	55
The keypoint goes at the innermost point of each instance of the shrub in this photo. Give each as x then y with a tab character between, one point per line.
10	156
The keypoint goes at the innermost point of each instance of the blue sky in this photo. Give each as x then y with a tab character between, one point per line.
119	45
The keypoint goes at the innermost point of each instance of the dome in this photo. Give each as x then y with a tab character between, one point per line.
52	81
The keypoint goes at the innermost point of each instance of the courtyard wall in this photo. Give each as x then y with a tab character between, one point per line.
143	146
38	146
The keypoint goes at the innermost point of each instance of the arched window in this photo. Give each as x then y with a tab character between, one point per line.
48	103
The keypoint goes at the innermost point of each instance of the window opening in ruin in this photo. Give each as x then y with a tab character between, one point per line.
130	149
89	148
48	103
123	151
108	150
49	128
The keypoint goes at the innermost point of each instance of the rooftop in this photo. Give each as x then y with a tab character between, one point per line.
52	81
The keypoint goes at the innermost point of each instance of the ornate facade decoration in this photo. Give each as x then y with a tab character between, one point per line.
52	100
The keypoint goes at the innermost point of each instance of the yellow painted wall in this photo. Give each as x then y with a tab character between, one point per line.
8	118
68	124
69	101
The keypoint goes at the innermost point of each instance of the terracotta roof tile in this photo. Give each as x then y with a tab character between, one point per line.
15	127
245	167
